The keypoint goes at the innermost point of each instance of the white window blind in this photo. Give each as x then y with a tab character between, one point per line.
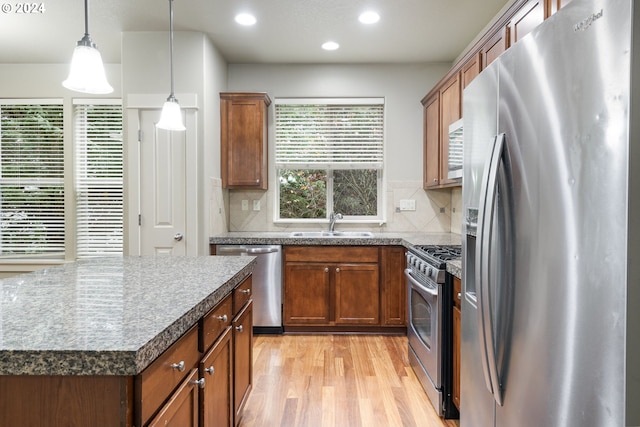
329	134
31	179
98	180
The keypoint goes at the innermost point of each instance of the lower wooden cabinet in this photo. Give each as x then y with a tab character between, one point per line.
182	408
343	288
216	398
457	295
242	358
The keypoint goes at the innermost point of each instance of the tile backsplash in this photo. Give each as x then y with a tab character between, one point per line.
436	210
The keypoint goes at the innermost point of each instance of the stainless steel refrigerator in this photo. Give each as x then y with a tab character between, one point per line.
551	226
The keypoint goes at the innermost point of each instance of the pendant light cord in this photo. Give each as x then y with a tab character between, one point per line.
86	18
171	95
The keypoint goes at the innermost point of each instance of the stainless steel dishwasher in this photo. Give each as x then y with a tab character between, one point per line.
266	282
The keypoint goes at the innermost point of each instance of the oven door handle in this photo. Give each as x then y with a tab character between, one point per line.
407	272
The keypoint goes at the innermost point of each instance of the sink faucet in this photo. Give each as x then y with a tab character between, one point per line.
332	220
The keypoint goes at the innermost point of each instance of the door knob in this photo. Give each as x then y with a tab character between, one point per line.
178	237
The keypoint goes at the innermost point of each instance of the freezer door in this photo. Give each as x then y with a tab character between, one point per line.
563	106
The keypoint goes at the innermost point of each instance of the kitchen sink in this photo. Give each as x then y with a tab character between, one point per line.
347	234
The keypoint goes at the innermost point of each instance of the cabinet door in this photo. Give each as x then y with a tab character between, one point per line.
494	47
242	358
394	286
556	5
306	294
216	396
243	140
470	70
182	408
530	15
357	294
450	111
432	142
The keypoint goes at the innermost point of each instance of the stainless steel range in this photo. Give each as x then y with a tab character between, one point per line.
430	322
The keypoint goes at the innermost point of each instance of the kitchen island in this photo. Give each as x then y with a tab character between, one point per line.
78	336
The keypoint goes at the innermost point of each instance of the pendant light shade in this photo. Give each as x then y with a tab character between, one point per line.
171	116
87	70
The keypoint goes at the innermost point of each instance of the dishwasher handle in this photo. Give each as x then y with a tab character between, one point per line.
244	251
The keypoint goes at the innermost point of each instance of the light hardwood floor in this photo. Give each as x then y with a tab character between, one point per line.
336	381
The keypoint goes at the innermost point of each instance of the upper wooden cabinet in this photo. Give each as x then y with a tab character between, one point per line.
555	5
470	70
243	139
494	47
530	15
431	123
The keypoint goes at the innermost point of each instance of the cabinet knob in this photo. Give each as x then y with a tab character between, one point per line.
435	180
210	370
200	383
326	269
337	269
245	291
223	318
239	328
178	237
459	295
179	366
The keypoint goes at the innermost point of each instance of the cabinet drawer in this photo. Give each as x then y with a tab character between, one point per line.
334	254
157	382
215	322
241	295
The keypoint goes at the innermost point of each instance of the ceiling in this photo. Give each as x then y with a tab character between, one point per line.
287	31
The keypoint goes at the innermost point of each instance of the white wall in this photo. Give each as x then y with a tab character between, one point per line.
198	69
402	86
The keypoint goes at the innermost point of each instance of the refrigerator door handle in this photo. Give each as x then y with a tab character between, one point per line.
483	261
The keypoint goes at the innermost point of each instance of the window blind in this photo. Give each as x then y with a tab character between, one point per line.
329	135
98	180
31	179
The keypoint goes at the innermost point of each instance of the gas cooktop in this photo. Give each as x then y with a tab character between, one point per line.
438	255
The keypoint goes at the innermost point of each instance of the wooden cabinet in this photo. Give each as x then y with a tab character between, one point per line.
242	358
431	110
344	288
243	140
331	286
440	110
182	408
457	294
159	380
216	367
554	6
470	70
450	111
530	15
494	47
394	287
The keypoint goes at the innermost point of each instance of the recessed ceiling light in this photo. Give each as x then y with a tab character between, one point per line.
330	46
369	17
245	19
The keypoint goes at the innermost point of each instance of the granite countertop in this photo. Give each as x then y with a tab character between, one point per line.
382	238
108	316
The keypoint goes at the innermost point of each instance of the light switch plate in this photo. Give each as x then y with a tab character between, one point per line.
407	205
256	205
245	205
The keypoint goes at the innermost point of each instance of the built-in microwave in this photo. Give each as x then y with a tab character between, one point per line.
455	150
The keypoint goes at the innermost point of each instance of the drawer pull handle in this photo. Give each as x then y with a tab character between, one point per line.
459	295
179	366
200	383
223	318
210	370
239	328
245	291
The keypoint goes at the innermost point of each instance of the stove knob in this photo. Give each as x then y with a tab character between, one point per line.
430	271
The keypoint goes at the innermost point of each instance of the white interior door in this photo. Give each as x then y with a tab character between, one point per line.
162	188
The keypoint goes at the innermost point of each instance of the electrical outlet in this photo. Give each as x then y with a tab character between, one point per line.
256	205
245	205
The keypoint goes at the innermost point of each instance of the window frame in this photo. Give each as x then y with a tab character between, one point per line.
380	218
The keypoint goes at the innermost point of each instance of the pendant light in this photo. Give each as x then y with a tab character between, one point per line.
171	116
87	71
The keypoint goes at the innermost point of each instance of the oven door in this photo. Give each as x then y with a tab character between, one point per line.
425	323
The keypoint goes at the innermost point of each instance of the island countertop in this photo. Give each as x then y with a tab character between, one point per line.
108	316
